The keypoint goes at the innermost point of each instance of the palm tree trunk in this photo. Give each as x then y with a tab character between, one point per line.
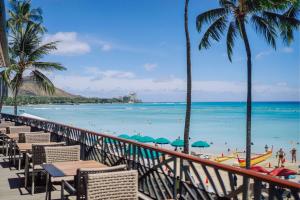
189	80
249	105
15	102
1	102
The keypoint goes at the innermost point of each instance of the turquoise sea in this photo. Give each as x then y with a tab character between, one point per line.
275	124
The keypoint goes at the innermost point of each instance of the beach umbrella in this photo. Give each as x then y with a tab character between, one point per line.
200	144
146	139
109	140
282	172
162	141
260	169
135	137
145	153
177	143
124	136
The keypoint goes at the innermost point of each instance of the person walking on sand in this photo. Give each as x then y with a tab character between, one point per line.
281	155
293	152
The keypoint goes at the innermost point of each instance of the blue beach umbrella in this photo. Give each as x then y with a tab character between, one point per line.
162	141
135	137
146	139
124	136
177	143
200	144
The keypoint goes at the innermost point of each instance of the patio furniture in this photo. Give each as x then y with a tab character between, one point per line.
30	137
17	129
59	171
121	185
37	137
21	136
79	192
37	158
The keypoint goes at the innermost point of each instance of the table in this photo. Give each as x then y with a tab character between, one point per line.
68	168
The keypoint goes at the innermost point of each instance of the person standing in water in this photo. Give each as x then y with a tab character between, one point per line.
281	155
266	148
293	152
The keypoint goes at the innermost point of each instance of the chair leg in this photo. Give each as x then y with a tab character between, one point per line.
20	159
47	185
26	171
32	182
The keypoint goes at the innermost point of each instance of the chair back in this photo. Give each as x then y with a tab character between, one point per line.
61	154
38	152
37	138
82	174
22	136
5	124
17	129
121	185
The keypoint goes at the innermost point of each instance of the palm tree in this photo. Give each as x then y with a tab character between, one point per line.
26	51
20	12
270	18
189	80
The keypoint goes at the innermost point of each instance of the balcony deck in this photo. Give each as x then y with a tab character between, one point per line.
12	184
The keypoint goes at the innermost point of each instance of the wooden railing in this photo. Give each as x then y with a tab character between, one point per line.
166	174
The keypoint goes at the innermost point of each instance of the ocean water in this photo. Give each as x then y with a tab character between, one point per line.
222	124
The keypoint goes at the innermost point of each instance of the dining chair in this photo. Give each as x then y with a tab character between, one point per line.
121	185
22	135
79	183
17	129
37	138
61	154
35	159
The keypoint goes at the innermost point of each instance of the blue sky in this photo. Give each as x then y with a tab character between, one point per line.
112	47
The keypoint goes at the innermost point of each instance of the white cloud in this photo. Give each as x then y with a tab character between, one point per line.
98	74
106	47
150	66
287	50
69	43
262	54
114	83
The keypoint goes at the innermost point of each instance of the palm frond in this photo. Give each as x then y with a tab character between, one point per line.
43	82
41	51
213	32
209	16
231	35
227	3
48	66
267	30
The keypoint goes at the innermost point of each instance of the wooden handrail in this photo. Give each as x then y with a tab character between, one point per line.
240	171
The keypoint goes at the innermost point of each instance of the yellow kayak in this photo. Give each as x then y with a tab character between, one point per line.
257	159
224	158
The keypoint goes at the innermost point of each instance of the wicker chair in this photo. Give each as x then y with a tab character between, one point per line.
35	160
17	129
79	192
3	138
22	135
37	138
61	154
112	186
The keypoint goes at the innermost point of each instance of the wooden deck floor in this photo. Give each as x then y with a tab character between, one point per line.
12	184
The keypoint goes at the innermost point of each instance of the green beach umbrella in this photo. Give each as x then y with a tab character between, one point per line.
124	136
109	140
146	139
135	137
145	153
162	141
177	143
200	144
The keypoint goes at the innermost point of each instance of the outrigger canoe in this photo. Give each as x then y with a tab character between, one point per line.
224	158
255	160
